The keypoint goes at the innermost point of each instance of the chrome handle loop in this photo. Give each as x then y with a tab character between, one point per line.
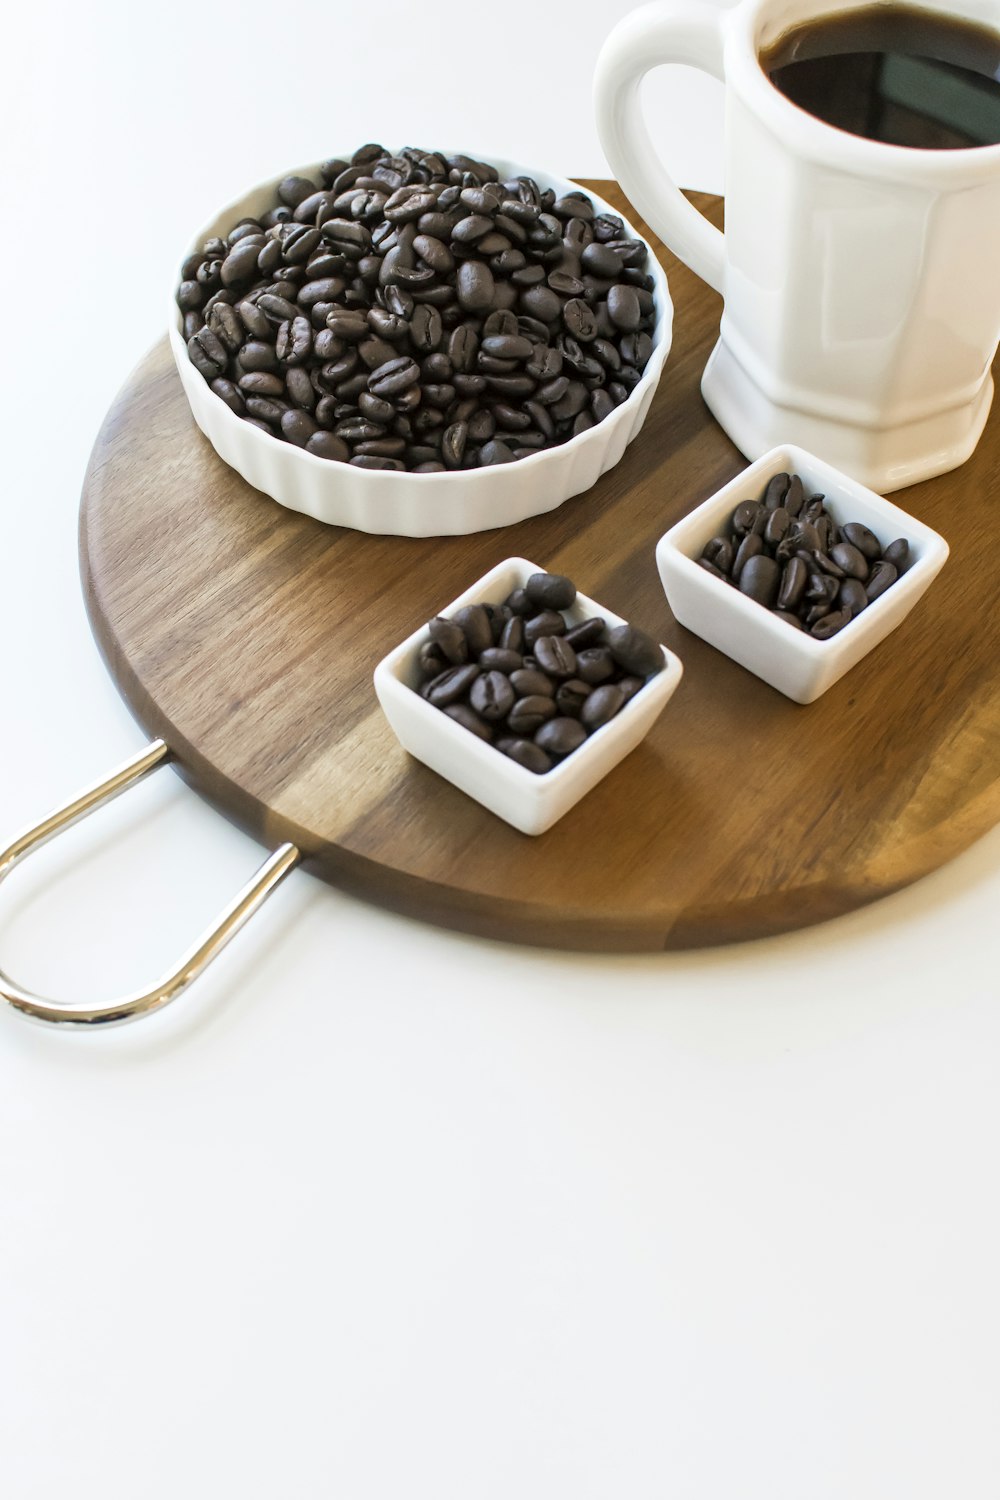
130	1007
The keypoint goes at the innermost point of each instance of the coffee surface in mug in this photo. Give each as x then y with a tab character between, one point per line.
896	74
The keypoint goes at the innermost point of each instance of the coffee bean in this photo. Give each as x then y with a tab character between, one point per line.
560	736
830	624
793	584
474	623
469	719
636	652
451	685
550	591
325	445
595	664
760	578
555	656
851	595
851	560
450	640
527	754
602	705
864	540
586	633
530	713
882	576
897	553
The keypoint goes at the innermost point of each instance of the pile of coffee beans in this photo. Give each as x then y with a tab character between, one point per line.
519	676
414	312
787	552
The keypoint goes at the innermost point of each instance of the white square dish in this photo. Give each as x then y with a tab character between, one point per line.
796	663
530	802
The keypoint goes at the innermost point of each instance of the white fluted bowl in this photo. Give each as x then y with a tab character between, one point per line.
402	504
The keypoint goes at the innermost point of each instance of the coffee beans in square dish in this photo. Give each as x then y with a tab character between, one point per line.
508	743
521	677
786	551
418	312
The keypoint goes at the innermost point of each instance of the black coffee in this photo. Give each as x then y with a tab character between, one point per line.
894	74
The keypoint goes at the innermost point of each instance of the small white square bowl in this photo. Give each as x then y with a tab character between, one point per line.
529	802
797	664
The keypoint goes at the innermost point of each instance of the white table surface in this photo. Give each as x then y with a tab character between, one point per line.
378	1211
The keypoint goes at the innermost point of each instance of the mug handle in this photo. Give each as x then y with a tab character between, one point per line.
679	32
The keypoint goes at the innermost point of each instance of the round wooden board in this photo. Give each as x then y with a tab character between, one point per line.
246	635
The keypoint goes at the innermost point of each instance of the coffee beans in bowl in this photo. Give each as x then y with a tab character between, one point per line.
796	570
524	692
423	314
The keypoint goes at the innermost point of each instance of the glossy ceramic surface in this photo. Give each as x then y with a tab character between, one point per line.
862	304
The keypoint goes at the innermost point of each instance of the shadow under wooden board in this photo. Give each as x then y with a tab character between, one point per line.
245	635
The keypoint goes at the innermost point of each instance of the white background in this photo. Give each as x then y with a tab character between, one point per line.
377	1211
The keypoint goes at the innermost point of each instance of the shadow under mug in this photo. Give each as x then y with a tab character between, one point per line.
861	280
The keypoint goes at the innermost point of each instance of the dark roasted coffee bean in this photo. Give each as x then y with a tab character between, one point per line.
394	377
432	664
882	576
595	665
745	515
602	705
530	713
587	633
526	753
229	393
634	651
555	655
720	553
453	444
469	719
571	695
709	567
560	736
495	452
864	540
474	286
851	595
450	640
226	324
794	496
624	308
793	584
519	604
298	427
300	388
777	489
830	624
851	561
759	579
511	636
776	528
546	622
897	553
492	696
475	625
208	354
325	445
496	659
751	546
528	682
550	591
580	320
789	619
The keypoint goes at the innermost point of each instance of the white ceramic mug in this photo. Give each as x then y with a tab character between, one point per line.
861	281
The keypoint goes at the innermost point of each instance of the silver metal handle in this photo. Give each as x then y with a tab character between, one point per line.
130	1007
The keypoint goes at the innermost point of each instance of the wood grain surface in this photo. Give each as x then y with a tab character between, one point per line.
246	636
